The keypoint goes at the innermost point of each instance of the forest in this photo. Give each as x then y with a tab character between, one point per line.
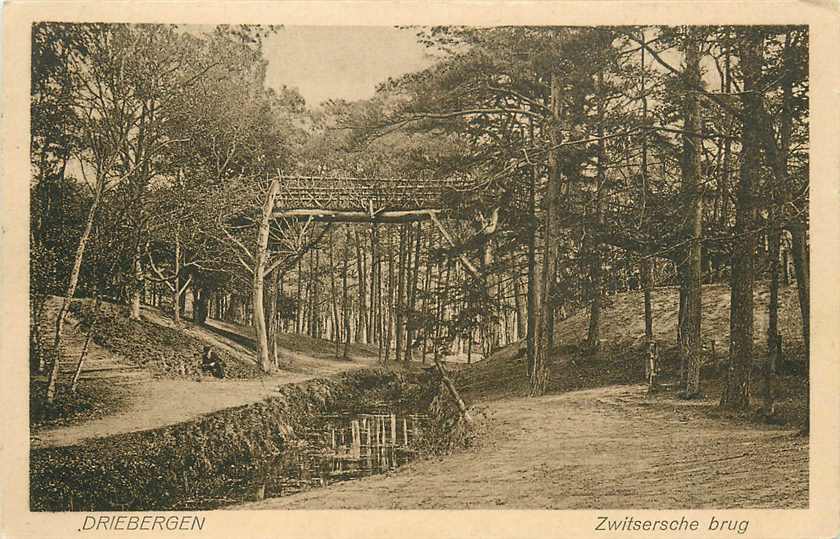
555	168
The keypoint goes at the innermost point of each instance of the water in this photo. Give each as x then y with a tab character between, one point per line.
342	447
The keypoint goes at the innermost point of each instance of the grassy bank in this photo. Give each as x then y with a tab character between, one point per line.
89	402
166	351
620	357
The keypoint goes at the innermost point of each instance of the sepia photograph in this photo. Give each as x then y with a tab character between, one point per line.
278	267
253	282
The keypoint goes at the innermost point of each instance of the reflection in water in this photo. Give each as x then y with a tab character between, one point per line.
342	447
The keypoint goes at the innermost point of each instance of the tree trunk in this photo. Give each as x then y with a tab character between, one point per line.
409	268
176	285
412	294
260	254
444	339
799	248
400	301
453	391
681	347
427	287
136	283
376	289
593	339
345	300
275	341
646	269
389	306
176	290
539	372
270	305
315	327
736	395
798	228
182	300
362	329
647	285
138	183
52	383
201	298
74	385
438	313
299	298
724	184
336	334
234	310
533	284
36	348
519	301
785	251
306	314
774	239
772	361
273	319
692	346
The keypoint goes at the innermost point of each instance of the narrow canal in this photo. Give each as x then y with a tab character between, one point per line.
341	447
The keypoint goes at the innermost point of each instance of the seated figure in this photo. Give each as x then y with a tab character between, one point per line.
211	363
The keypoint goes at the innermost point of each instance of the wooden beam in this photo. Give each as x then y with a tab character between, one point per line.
344	216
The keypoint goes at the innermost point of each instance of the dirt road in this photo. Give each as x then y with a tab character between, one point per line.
604	448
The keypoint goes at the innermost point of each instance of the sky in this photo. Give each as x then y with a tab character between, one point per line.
340	62
347	62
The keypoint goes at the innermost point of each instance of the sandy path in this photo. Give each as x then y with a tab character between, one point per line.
161	402
604	448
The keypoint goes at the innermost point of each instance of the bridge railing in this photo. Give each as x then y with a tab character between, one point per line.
344	193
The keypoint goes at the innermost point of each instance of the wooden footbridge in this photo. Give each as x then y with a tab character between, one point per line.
363	200
340	199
